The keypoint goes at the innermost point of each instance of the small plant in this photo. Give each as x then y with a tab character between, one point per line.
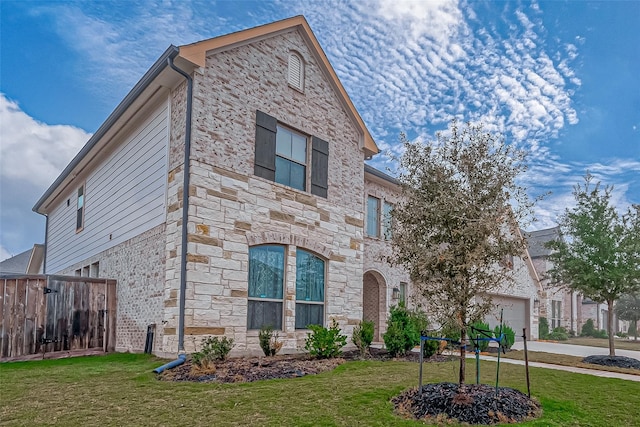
212	349
363	336
269	342
403	330
452	333
601	334
430	347
588	329
559	334
509	336
325	343
543	329
481	330
632	331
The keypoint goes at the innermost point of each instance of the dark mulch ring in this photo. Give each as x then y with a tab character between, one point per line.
617	361
471	403
248	369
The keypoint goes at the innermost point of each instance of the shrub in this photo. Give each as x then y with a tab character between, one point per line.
363	336
269	342
632	330
403	330
588	329
212	348
451	332
509	336
325	343
481	330
559	334
543	329
430	348
601	334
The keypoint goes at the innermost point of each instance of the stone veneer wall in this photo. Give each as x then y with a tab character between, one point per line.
138	267
231	209
377	249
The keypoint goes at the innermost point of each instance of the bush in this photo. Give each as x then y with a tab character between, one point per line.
509	336
213	348
430	348
403	330
588	329
363	336
325	343
481	330
269	342
559	334
451	332
543	329
601	334
632	330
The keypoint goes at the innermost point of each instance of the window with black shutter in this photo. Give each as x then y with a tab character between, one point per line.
281	155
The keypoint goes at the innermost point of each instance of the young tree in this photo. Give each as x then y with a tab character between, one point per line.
601	256
628	308
456	228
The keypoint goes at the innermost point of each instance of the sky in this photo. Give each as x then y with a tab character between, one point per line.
559	79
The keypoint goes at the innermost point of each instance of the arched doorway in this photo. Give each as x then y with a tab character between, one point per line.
374	297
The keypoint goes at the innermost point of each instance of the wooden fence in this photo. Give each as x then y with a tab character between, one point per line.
43	314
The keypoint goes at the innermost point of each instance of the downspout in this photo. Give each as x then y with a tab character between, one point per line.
46	241
185	206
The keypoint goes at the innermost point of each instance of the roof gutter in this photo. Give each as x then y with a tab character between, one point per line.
145	81
185	204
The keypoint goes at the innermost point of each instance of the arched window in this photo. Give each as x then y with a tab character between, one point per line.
296	71
266	283
310	281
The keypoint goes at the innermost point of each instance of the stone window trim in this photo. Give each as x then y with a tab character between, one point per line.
81	202
295	71
316	173
289	239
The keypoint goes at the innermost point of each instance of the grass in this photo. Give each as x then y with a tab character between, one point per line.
604	342
565	360
120	389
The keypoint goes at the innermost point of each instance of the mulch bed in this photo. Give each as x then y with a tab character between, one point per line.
248	369
617	361
472	403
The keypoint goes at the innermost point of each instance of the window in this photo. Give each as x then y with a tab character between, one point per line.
556	314
295	75
266	281
403	293
95	269
373	216
85	271
281	156
291	158
309	290
80	210
386	220
78	272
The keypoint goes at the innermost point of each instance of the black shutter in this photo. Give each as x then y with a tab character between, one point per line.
265	156
319	167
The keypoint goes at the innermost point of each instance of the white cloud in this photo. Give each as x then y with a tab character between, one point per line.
32	151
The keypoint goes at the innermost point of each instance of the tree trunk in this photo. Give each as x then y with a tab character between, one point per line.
463	356
612	345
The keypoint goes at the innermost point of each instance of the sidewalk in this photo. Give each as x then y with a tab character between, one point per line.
595	372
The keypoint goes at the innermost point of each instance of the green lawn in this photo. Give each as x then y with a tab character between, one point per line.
120	389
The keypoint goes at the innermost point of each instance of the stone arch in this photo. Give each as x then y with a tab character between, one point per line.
374	301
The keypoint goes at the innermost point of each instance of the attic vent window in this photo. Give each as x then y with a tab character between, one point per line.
296	71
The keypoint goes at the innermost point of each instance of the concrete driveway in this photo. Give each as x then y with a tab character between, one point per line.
573	350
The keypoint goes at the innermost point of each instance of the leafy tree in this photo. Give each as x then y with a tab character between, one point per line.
456	226
601	257
628	308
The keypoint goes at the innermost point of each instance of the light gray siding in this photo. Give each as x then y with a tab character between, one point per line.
124	196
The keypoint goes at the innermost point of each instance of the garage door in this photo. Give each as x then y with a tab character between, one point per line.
515	314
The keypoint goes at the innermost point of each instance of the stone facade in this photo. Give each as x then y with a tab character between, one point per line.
138	266
230	209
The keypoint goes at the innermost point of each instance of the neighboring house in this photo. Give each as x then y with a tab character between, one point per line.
264	224
560	306
27	262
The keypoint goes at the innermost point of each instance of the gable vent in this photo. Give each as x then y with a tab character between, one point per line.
296	71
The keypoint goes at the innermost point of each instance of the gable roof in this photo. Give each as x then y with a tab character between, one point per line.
196	53
188	57
537	239
27	262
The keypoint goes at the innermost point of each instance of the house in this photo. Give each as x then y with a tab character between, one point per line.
27	262
228	191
